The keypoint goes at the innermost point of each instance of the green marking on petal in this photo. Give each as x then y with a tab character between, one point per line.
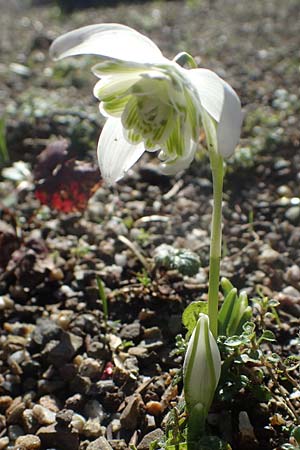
117	86
133	137
113	67
115	106
193	116
130	114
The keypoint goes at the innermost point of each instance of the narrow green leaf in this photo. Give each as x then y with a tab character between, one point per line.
226	285
226	311
103	298
3	147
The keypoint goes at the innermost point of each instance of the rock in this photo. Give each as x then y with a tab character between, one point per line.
2	423
292	214
4	441
131	415
29	421
292	292
56	438
43	415
75	402
49	402
78	422
45	331
61	351
94	410
131	332
154	408
5	402
28	442
80	385
14	431
100	443
96	349
292	275
64	418
268	255
92	428
150	437
15	411
246	431
90	368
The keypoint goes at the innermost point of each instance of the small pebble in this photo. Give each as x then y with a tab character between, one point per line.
90	367
293	214
154	408
43	415
268	255
78	422
14	431
28	442
5	402
92	428
4	441
100	443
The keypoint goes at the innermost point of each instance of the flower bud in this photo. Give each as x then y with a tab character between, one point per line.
201	369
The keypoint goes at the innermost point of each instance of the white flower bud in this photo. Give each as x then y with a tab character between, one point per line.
202	367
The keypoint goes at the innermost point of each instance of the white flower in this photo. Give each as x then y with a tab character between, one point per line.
201	368
151	103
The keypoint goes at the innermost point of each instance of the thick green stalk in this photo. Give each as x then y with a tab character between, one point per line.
216	162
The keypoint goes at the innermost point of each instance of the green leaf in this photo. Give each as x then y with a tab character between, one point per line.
296	434
246	316
103	298
274	358
191	314
226	286
249	327
261	392
185	261
225	312
238	310
234	341
3	147
267	336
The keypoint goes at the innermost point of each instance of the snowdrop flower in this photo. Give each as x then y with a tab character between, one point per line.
151	103
201	371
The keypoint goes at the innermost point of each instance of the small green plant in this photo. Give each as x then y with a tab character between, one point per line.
185	261
144	278
4	157
103	299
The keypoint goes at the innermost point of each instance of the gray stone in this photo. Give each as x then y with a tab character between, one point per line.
150	437
99	444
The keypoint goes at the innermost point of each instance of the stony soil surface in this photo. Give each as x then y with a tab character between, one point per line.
69	378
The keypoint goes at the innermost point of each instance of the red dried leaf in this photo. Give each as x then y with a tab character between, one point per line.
66	185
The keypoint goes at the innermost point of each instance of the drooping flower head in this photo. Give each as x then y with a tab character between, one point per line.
151	103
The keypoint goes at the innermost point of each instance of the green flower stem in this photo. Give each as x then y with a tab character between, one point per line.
216	162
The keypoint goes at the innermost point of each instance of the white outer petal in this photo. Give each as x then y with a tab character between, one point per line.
108	40
222	104
199	386
115	155
180	163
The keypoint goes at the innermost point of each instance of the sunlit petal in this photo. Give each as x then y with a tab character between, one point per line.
115	154
109	87
171	167
222	104
109	40
229	129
